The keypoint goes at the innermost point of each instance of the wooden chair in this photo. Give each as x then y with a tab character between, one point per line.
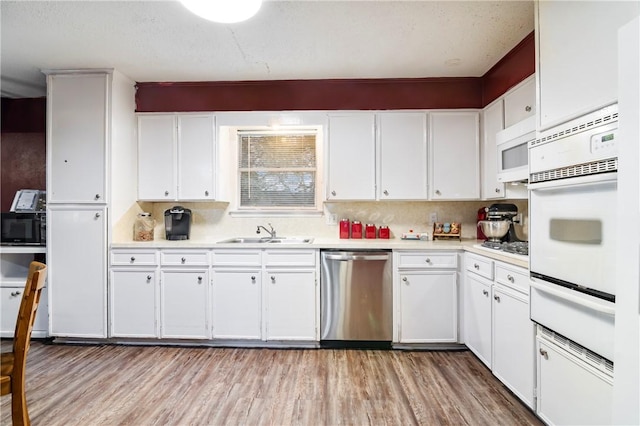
13	364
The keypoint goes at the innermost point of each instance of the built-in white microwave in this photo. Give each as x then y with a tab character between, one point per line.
513	150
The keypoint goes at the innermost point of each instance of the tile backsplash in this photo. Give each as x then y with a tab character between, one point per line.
212	222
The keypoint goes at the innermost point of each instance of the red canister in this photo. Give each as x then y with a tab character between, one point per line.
345	227
383	232
370	230
356	229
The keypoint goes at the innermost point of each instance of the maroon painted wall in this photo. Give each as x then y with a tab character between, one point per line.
23	147
356	94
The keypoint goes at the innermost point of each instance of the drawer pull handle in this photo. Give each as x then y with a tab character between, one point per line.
183	260
15	293
97	196
97	215
253	278
273	279
428	260
527	108
544	353
199	280
149	277
133	259
485	292
496	298
475	265
510	278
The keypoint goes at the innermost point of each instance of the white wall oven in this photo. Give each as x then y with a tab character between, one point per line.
572	257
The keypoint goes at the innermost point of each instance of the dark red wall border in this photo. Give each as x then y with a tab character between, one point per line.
357	94
27	115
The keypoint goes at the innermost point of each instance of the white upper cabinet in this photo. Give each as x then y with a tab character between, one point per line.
492	120
403	156
352	173
454	141
576	59
520	102
176	157
78	117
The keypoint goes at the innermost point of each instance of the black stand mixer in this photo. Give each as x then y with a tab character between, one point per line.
510	241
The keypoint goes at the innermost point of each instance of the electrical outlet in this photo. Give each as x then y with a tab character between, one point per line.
433	217
332	219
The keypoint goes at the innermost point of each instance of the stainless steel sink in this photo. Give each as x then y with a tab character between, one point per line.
267	240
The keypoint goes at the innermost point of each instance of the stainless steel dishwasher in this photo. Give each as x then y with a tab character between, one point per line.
356	298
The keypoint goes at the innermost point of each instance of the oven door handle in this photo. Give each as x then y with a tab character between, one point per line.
575	181
609	310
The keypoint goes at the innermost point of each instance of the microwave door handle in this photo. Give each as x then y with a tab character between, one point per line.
574	182
609	310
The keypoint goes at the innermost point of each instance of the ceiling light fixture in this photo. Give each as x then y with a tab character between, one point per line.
223	11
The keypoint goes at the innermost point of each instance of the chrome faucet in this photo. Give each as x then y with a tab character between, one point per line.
272	232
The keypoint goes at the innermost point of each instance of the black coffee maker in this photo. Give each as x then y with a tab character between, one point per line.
505	212
177	223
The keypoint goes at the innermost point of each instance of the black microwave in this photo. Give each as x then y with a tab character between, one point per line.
23	229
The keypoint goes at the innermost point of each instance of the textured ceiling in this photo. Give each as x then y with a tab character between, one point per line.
153	41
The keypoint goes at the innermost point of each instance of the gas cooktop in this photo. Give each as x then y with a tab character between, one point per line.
520	248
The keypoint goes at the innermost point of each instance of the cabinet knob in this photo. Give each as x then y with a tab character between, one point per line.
166	193
510	278
405	279
544	353
485	292
273	279
438	192
498	190
385	192
253	278
206	193
149	277
333	193
97	215
183	260
527	108
496	298
428	260
133	259
199	280
97	196
475	265
15	293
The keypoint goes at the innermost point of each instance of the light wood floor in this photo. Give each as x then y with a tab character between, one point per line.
137	385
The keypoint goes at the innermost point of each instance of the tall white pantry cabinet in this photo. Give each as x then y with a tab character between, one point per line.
80	126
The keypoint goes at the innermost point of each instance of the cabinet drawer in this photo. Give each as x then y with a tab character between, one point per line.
133	257
422	259
184	257
511	276
241	257
480	265
290	257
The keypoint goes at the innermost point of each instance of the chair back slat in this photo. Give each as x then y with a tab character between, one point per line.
28	308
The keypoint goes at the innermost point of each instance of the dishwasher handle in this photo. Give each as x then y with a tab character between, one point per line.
356	256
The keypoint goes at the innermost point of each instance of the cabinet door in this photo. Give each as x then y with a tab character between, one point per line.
428	307
513	359
403	156
477	317
455	155
10	298
351	157
156	157
133	303
570	392
291	305
520	103
492	119
196	156
237	304
184	304
77	137
77	278
577	57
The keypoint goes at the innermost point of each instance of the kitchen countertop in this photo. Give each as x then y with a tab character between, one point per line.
336	243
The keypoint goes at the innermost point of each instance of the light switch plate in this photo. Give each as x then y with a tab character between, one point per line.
332	219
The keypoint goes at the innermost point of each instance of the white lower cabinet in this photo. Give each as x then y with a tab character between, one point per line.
497	325
237	304
184	303
133	297
426	297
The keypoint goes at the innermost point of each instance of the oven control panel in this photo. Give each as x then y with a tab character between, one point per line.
605	143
